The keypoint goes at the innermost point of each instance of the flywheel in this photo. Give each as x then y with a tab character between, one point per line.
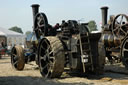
119	25
40	25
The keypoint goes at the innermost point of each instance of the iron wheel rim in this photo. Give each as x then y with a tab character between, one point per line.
14	57
124	52
46	59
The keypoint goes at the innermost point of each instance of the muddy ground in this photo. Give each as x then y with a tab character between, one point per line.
114	75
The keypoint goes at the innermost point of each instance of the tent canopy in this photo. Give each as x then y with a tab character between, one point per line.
12	38
2	33
7	32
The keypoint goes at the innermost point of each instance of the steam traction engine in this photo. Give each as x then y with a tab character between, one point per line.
115	36
73	47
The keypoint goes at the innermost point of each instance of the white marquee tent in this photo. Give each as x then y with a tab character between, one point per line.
12	38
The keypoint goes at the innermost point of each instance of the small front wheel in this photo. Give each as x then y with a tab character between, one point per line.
17	58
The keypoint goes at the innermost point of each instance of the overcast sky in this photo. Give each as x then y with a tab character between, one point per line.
19	13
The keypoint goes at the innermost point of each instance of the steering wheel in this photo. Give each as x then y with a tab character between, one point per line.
118	25
40	25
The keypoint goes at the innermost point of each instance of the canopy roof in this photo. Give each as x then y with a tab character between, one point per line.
6	32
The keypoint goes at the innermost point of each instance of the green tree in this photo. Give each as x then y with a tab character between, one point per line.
16	29
92	26
28	32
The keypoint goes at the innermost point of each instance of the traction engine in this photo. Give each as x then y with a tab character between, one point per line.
115	36
54	50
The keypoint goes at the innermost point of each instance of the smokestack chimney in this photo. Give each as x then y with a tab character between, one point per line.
35	10
104	11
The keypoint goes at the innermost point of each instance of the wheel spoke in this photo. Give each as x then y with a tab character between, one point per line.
14	55
45	66
116	28
44	57
121	20
42	42
118	32
41	57
126	41
38	18
38	23
16	58
49	70
36	29
46	42
124	49
15	62
52	58
42	25
123	31
42	47
116	23
51	52
49	55
47	51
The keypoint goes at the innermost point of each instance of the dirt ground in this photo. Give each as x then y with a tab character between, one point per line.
31	76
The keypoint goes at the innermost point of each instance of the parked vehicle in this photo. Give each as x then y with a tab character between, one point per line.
72	47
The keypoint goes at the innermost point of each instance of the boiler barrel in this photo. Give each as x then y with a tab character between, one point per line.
110	40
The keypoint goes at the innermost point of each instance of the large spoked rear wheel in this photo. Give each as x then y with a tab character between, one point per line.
51	57
17	58
124	52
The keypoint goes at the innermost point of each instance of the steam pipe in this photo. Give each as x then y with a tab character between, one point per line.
104	11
